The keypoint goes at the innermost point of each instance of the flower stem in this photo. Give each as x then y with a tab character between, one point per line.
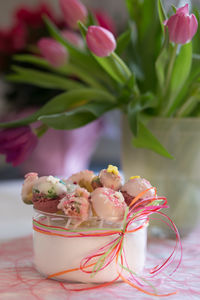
170	70
122	64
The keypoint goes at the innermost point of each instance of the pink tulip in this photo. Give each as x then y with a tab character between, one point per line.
73	11
182	26
53	52
73	38
100	41
17	144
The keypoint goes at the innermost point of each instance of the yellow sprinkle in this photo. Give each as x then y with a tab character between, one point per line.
112	169
134	177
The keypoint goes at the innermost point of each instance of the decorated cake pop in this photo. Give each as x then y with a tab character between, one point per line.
76	204
27	187
108	204
109	178
47	193
83	179
134	186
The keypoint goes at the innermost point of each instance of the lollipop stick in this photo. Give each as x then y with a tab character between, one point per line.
68	223
101	223
48	220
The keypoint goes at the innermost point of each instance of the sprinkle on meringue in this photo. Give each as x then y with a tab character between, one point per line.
133	177
112	169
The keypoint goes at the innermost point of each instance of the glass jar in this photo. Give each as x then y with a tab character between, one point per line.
55	254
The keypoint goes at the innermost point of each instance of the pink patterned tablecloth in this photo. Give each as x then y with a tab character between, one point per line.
19	280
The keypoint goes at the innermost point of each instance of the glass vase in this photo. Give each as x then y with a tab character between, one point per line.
178	179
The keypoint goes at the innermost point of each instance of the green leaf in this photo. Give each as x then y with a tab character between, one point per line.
191	103
197	112
138	105
91	20
173	8
133	115
162	61
185	92
195	40
83	74
123	41
130	8
69	69
162	14
68	120
65	101
134	9
182	68
31	59
180	75
196	56
148	100
83	29
115	67
146	30
126	92
130	83
77	117
62	103
43	79
111	67
141	12
189	106
146	139
147	21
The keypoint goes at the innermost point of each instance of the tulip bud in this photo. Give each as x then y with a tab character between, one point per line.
73	11
53	52
73	38
100	41
182	26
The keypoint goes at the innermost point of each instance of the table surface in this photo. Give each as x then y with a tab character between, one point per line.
19	280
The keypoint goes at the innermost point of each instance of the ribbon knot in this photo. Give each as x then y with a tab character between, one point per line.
122	233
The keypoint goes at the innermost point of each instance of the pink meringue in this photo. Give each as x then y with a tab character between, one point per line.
76	204
134	186
109	178
108	204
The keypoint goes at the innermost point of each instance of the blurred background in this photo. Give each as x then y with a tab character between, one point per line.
17	98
